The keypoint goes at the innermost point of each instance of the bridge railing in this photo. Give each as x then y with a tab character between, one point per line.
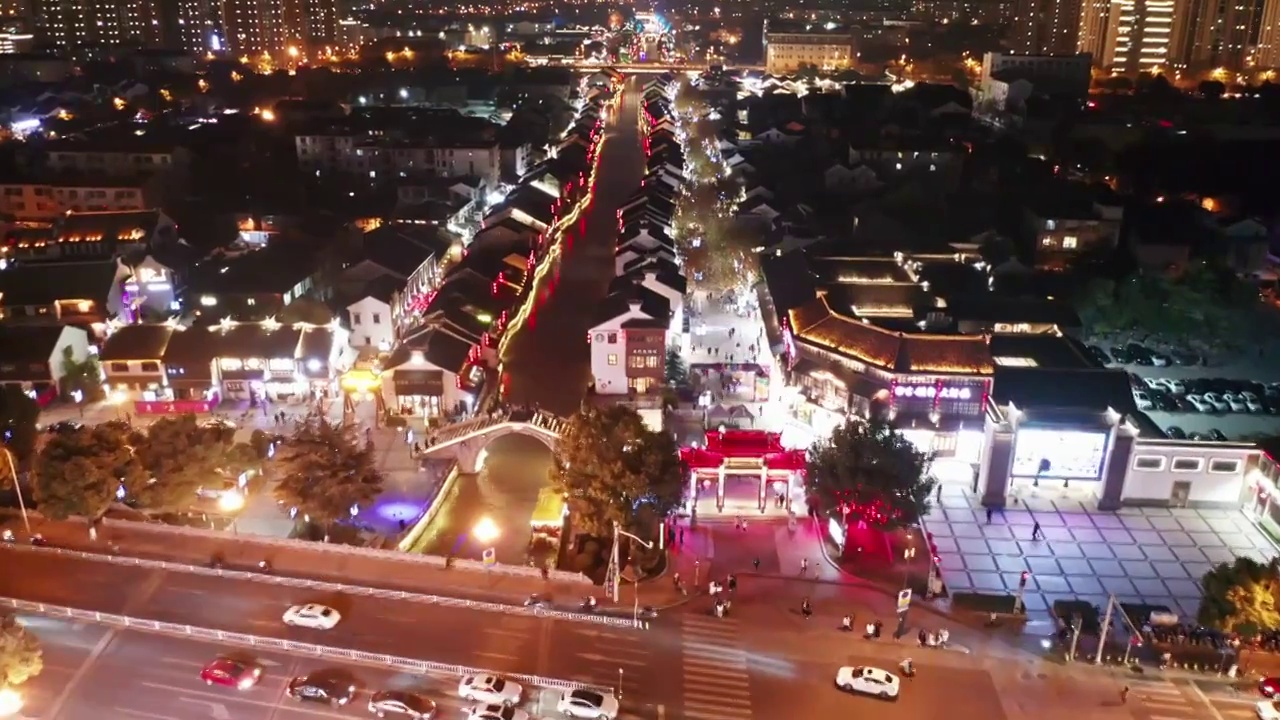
458	431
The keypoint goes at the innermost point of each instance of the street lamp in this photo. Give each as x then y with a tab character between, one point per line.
617	572
486	530
22	505
231	501
11	702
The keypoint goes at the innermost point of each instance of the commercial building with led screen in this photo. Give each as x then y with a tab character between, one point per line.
1072	454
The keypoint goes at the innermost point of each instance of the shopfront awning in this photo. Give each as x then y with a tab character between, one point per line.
426	383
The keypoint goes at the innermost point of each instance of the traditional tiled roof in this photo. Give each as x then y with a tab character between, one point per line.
137	342
817	324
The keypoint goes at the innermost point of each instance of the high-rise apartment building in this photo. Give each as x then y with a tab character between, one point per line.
195	26
1132	36
1268	53
1046	27
79	24
1222	33
254	27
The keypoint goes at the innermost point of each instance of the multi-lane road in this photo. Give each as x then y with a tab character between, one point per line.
95	673
764	661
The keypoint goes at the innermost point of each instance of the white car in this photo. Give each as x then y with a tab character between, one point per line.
1254	404
1142	400
312	615
1268	710
1199	403
1216	401
1235	402
588	704
494	712
1175	386
490	689
1154	383
868	681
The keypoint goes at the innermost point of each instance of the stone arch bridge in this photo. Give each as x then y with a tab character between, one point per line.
466	442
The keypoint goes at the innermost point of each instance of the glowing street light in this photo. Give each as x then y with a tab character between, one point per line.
231	501
11	702
486	530
293	52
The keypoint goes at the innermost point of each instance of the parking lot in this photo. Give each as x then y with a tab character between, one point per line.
1234	401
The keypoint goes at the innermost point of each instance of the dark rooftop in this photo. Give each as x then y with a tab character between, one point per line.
137	342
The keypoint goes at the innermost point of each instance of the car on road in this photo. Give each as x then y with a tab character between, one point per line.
1175	386
1268	710
63	427
588	704
1269	686
490	689
330	688
400	704
1161	360
868	681
1098	354
1217	435
494	712
230	672
1143	400
312	615
1175	433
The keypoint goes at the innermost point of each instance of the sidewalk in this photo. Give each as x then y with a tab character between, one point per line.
312	561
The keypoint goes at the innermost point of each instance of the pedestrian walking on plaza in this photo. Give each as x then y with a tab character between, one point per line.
804	565
989	513
939	492
681	536
1036	532
1124	695
756	564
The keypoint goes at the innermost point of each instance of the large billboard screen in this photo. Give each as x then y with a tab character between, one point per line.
1072	454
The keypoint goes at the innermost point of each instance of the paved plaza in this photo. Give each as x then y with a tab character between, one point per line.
1141	555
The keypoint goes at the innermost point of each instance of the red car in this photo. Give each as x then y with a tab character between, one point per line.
239	674
1269	687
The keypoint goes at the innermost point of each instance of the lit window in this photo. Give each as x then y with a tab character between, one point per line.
1015	361
613	358
1070	242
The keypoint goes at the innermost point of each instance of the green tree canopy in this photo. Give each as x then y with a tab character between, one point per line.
20	655
18	417
1206	304
180	456
869	471
1242	596
677	370
83	376
78	473
324	470
614	469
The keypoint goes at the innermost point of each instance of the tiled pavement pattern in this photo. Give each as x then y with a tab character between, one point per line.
1151	555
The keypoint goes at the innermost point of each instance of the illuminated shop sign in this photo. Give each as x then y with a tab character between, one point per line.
930	392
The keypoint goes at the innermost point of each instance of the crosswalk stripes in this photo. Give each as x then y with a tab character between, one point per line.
716	681
1163	700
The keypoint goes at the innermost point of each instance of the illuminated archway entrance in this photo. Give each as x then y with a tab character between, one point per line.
745	452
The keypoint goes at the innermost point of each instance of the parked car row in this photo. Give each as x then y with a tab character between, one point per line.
1139	354
1205	395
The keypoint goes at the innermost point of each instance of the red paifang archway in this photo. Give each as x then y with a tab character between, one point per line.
742	452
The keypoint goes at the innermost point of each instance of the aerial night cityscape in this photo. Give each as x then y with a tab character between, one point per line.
907	359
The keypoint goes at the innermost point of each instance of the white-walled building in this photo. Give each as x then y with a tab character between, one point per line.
629	342
372	325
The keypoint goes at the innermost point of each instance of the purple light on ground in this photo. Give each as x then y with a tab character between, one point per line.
394	509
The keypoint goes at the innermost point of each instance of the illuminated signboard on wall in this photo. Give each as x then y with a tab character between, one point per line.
929	392
1072	454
